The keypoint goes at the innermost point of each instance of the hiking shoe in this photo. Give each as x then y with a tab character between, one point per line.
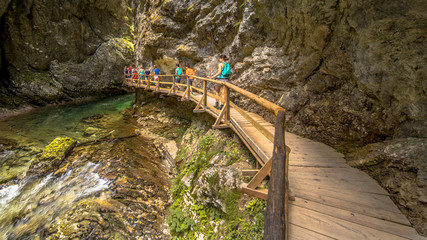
216	105
221	106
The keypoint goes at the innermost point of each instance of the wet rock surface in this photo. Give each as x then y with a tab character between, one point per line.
53	52
114	188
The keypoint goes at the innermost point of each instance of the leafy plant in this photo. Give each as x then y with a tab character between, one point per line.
179	222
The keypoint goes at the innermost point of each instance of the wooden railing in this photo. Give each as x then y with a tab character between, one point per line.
276	167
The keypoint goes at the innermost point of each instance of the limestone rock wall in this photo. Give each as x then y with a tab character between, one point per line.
57	50
346	71
349	73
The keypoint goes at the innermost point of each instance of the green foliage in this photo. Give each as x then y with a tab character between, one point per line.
202	217
214	179
370	165
232	153
128	43
246	2
238	23
206	142
239	228
190	8
181	153
179	222
339	149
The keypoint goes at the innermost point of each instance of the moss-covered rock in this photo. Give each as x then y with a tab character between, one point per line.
52	155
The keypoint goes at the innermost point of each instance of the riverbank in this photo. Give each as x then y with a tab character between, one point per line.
112	183
28	109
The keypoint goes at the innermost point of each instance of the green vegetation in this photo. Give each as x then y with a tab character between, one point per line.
202	205
127	43
238	23
41	77
370	165
190	8
57	147
179	222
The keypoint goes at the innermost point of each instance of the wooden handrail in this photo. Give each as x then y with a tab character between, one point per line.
261	101
276	222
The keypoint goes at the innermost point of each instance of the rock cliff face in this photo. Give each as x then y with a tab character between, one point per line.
349	73
346	71
53	51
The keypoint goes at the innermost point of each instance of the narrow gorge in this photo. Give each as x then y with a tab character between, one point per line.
350	74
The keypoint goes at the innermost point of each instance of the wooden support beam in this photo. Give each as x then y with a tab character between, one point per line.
263	172
249	172
275	224
172	90
220	117
197	108
259	193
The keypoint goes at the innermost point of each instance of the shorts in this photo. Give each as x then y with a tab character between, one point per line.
156	78
191	81
178	79
222	80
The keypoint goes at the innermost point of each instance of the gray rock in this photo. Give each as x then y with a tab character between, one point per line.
400	166
80	37
343	76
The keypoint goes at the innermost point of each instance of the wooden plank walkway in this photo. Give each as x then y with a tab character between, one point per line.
332	199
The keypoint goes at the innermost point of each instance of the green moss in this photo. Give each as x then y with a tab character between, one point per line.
190	8
214	179
370	165
126	42
56	148
45	77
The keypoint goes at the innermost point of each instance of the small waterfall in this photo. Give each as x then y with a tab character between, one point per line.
26	206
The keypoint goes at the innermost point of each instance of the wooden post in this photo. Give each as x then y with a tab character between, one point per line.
205	94
227	105
188	87
173	85
148	83
276	214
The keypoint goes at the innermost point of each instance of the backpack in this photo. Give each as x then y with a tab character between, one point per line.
178	71
226	71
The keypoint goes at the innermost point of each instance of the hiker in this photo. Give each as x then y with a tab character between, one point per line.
222	75
189	72
131	69
141	73
156	73
135	75
147	73
178	73
126	72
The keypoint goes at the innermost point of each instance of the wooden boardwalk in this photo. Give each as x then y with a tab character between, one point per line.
332	199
